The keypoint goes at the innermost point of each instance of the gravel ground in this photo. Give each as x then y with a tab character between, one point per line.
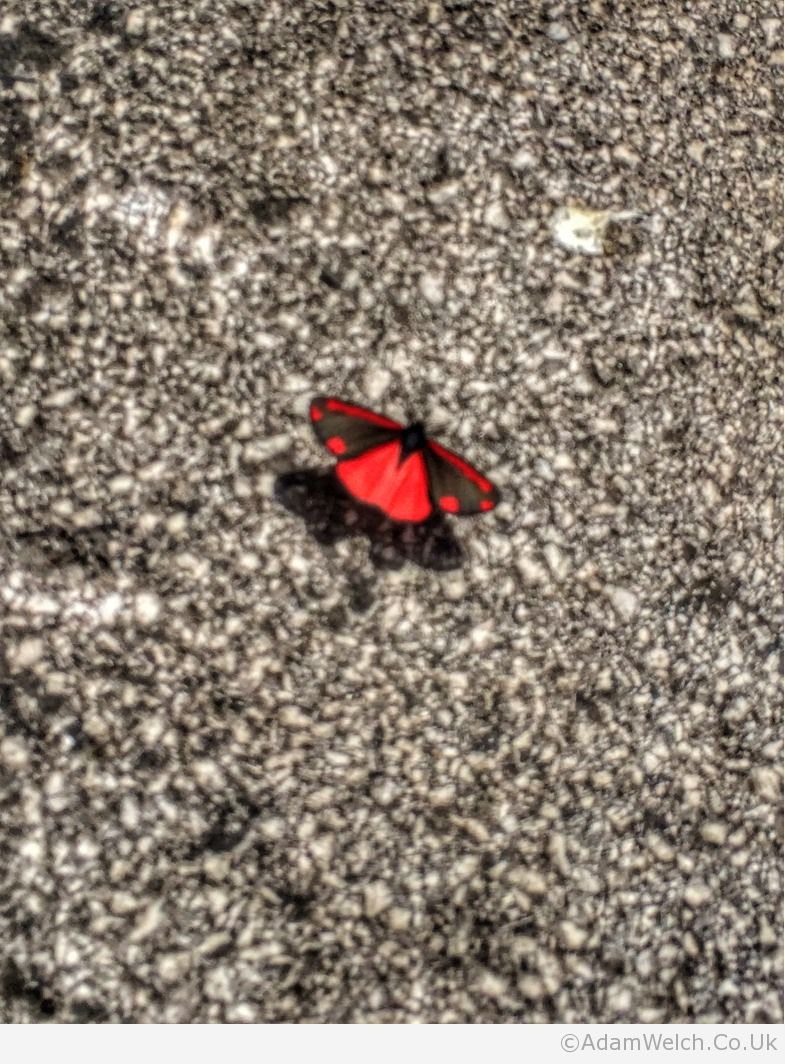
266	758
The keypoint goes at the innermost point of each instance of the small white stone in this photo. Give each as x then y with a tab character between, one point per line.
399	919
624	602
273	827
377	898
376	381
321	798
558	32
148	923
43	605
767	782
443	192
442	796
524	159
262	450
89	517
432	288
558	563
531	987
454	586
147	607
134	21
533	574
14	753
26	654
714	831
767	936
153	471
293	717
63	397
109	607
726	45
572	936
25	416
32	850
495	216
173	966
697	893
208	774
241	1012
492	985
129	813
658	660
122	902
623	153
121	484
177	524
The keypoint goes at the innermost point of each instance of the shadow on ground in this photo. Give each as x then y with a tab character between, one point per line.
330	515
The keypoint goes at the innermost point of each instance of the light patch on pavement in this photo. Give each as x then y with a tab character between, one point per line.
582	230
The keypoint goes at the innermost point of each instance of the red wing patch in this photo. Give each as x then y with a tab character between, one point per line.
336	445
369	449
456	486
338	406
379	478
347	430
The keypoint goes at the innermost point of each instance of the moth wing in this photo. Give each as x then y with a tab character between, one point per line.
379	478
456	486
348	430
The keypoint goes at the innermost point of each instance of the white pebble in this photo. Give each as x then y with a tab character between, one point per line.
13	753
376	382
558	32
495	216
293	717
432	288
715	832
25	416
147	607
524	159
26	654
572	936
726	46
377	898
134	22
697	893
624	602
63	397
121	485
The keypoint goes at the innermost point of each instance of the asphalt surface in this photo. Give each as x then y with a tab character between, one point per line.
266	758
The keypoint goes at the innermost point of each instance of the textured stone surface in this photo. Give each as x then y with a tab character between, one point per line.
265	759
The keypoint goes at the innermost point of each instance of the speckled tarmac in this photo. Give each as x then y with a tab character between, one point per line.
264	757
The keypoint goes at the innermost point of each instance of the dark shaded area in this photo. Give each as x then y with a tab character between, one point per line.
330	515
28	48
273	208
56	546
15	984
16	137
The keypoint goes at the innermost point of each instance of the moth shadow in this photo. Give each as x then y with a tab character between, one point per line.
330	514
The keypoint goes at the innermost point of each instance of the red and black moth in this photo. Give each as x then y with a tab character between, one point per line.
397	468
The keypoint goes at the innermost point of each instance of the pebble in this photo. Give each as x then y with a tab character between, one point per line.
147	608
573	937
624	601
26	654
377	899
697	893
715	832
432	288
